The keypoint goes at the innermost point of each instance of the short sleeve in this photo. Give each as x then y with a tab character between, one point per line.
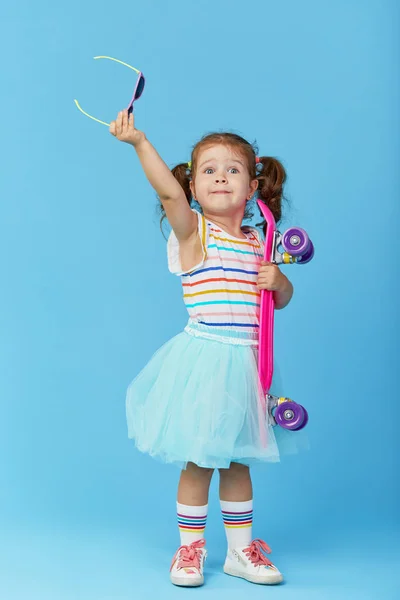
258	234
174	260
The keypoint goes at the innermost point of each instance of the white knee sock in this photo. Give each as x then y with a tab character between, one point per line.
238	521
192	522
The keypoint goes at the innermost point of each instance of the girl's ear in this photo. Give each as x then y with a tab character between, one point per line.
192	188
253	186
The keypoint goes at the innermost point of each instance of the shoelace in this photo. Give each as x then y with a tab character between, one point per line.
256	555
189	556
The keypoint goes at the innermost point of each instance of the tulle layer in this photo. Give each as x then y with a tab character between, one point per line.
199	400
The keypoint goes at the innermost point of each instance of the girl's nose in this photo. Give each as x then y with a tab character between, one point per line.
220	178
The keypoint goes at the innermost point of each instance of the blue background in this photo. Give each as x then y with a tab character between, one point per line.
87	298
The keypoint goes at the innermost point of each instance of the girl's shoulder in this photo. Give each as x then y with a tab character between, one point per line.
257	233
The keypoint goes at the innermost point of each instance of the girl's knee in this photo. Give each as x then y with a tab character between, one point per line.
200	471
235	469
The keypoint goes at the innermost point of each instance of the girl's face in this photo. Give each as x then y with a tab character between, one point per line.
221	183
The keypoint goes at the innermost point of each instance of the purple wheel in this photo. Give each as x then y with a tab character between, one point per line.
290	415
295	241
305	420
307	256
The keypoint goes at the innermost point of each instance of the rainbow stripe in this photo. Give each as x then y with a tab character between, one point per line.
190	524
237	520
218	269
234	249
222	302
222	291
252	325
226	279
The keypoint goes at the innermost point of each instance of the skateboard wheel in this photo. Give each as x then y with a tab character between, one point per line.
304	423
306	419
307	256
295	241
290	415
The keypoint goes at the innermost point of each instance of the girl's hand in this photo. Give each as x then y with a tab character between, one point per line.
124	129
271	278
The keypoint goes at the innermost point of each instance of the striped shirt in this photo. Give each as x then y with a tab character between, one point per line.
222	289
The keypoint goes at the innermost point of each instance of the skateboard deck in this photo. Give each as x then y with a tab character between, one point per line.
266	334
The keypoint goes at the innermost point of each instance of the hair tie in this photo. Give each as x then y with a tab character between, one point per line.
257	160
189	164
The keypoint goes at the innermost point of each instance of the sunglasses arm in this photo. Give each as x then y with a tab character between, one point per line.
90	116
115	60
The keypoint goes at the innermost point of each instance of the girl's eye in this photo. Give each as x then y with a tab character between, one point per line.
211	170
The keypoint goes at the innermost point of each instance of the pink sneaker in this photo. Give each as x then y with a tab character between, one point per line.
251	563
187	564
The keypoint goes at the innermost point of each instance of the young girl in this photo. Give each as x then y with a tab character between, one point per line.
198	403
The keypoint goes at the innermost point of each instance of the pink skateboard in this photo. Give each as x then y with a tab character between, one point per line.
298	248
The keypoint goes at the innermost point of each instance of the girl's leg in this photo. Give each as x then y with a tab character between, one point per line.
192	503
236	497
245	557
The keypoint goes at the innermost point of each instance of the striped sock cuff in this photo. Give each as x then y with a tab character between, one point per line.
237	515
192	519
236	520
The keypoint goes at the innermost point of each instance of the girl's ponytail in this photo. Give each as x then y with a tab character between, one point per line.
271	177
182	174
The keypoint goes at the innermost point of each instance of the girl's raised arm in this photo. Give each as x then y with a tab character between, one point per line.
181	218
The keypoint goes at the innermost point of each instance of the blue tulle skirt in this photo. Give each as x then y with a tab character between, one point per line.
199	400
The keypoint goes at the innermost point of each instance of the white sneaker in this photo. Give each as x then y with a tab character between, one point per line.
251	563
187	564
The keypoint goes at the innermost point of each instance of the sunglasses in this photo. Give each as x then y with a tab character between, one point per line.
138	91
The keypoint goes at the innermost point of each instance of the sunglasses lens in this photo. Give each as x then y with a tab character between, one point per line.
137	93
139	88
